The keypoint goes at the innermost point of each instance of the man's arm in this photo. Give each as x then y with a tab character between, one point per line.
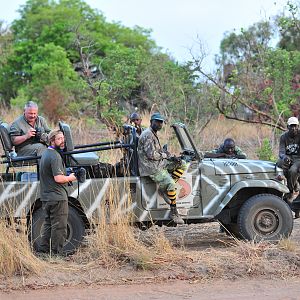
239	153
214	155
64	179
16	135
57	170
282	150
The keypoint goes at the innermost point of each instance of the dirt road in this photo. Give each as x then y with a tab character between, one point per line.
210	260
220	290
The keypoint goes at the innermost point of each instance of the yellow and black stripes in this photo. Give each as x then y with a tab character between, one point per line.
172	196
176	174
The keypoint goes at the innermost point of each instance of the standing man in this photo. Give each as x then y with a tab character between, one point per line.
136	119
289	156
54	195
29	132
153	163
227	150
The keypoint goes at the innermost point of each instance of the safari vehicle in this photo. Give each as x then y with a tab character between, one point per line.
245	196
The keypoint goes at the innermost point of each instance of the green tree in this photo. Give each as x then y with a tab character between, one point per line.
289	28
255	80
54	39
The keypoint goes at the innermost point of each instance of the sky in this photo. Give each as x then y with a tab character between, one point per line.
178	25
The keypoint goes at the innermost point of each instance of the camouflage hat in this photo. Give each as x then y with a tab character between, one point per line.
157	116
135	116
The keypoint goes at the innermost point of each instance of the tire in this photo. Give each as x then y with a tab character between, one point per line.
265	217
75	233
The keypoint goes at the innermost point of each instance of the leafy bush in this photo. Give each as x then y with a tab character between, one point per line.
265	152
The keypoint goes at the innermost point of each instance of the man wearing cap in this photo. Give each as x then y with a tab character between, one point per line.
227	150
54	195
153	162
289	156
136	120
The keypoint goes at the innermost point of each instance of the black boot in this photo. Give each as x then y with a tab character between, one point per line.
174	215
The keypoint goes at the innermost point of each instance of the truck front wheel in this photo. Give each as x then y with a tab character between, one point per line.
75	230
265	217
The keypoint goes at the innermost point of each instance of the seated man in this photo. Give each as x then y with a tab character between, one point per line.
29	132
154	161
289	156
227	150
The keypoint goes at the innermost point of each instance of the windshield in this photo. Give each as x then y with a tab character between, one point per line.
183	137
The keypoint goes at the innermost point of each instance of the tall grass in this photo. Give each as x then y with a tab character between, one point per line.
16	256
114	240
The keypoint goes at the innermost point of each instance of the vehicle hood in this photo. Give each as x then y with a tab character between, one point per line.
241	166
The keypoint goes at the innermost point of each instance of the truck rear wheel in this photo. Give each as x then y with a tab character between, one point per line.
75	233
265	217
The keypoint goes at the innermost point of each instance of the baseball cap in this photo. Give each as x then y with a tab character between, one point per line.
293	121
135	116
157	116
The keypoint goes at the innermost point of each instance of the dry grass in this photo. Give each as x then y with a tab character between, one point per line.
16	257
247	136
114	240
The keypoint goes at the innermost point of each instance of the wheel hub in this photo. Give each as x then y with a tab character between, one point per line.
266	221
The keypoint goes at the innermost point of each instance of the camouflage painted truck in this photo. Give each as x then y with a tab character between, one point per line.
245	196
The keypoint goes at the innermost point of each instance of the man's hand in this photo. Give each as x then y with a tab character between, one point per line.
71	177
30	133
175	159
64	178
164	155
287	159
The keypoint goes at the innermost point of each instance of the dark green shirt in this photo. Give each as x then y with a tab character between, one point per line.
51	164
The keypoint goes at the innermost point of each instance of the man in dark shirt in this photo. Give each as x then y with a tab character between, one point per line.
54	195
289	156
29	132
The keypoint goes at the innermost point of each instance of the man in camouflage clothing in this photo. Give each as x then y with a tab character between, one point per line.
154	162
227	150
29	132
